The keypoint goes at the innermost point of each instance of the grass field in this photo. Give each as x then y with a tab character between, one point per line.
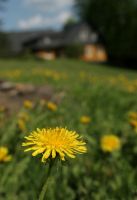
107	97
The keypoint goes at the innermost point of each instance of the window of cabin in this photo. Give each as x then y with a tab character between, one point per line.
47	40
94	37
83	35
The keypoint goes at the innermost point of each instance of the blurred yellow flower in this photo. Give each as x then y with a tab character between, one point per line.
28	104
85	119
52	106
130	88
110	143
54	142
133	115
4	154
21	125
2	108
133	123
24	116
43	102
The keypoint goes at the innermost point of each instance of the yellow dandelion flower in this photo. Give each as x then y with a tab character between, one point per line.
52	106
21	125
133	123
4	154
85	119
133	115
54	142
28	104
110	143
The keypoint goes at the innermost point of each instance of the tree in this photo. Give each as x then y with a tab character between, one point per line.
4	43
70	22
116	21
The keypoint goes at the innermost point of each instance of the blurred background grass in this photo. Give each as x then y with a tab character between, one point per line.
107	96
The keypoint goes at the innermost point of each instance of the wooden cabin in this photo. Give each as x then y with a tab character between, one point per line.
49	45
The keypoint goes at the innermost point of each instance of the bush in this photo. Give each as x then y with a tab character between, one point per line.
74	50
5	44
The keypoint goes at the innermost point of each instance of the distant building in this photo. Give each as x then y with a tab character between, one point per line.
51	44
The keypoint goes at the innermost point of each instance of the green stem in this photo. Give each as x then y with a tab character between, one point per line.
45	186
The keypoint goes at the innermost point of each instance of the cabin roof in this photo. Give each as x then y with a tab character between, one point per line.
78	33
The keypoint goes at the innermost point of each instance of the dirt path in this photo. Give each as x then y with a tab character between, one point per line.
13	95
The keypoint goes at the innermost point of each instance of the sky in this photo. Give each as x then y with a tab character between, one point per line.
36	14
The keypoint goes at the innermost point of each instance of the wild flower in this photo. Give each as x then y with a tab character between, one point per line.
133	124
21	125
133	115
110	143
2	109
51	106
28	104
24	116
42	102
85	119
4	154
54	142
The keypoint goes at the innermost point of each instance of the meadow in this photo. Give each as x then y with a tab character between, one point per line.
98	102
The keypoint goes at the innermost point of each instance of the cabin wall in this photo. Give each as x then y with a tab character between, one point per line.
94	53
46	55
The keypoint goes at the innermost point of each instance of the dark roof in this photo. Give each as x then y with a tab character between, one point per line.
78	33
73	33
17	39
48	39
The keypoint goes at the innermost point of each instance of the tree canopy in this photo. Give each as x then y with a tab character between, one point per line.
4	42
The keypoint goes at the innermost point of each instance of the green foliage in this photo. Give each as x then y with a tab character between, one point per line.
70	22
74	50
116	21
5	44
88	90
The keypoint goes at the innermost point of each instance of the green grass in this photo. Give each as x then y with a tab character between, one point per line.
105	94
29	69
